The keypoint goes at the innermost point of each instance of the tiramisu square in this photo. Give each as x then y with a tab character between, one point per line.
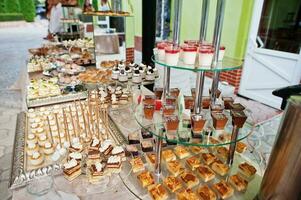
147	145
189	179
172	183
223	189
146	179
71	170
205	173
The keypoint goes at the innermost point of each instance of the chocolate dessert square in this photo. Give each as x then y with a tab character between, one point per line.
134	138
238	118
146	134
147	145
132	149
227	101
236	106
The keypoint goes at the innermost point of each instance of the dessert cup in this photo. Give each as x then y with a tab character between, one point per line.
172	55
189	54
149	111
205	57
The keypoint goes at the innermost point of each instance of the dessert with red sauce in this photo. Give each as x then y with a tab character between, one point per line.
189	54
172	54
221	53
205	56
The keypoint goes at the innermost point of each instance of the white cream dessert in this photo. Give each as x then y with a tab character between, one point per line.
48	148
136	77
76	147
114	164
221	53
34	125
205	57
42	140
189	54
150	75
115	73
119	151
32	147
36	158
142	70
55	156
106	147
71	169
172	55
31	138
161	50
76	155
128	71
122	76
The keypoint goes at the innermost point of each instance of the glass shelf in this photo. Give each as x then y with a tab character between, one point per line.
112	14
209	137
227	64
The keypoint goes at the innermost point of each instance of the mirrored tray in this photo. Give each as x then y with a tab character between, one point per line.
227	64
207	138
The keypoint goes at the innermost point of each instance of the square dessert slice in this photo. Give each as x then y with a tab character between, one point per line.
106	147
157	192
223	189
240	147
239	183
181	152
222	153
95	144
208	158
219	120
119	151
146	179
146	134
193	162
187	194
71	170
114	164
247	170
168	155
236	106
147	145
175	167
205	173
220	168
132	149
76	147
172	183
227	101
134	138
189	179
93	154
96	172
238	118
197	149
206	193
137	164
151	159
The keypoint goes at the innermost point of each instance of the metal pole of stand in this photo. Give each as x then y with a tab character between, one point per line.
201	75
159	153
220	11
234	135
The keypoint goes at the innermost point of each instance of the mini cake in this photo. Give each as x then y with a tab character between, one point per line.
216	108
168	155
240	147
168	109
157	192
42	140
132	149
48	148
238	118
146	179
205	57
172	55
119	151
76	147
197	149
114	164
205	173
220	168
95	144
218	92
149	99
96	172
136	77
181	152
174	92
149	111
76	156
175	167
171	122
158	92
189	179
187	194
193	162
172	183
189	102
32	147
247	170
137	164
150	75
146	134
93	154
206	102
171	138
133	138
31	138
123	77
36	158
197	123
115	73
189	54
206	193
223	189
208	158
147	145
151	159
219	120
227	101
71	170
222	153
106	147
239	183
236	106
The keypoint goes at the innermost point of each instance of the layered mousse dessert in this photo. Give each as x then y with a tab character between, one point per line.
227	101
219	120
134	138
189	53
216	108
114	164
106	147
171	123
158	92
168	109
161	50
119	151
132	149
150	75
189	102
149	111
205	56
149	99
206	102
197	123
115	73
221	53
96	172
72	170
172	55
146	146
